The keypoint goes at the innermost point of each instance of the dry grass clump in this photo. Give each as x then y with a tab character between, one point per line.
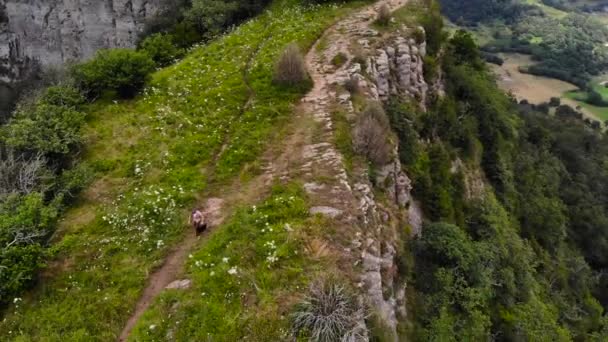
291	67
339	60
384	15
329	314
372	135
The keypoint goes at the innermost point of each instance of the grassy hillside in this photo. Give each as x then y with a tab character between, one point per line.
244	277
198	124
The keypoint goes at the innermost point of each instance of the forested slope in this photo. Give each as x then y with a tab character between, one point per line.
523	257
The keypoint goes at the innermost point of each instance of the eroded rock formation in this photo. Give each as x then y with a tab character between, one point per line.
52	32
397	68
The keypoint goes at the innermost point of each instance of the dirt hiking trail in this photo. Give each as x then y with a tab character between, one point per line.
306	154
172	266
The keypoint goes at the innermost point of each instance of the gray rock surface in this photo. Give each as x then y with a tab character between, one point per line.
397	69
52	32
180	284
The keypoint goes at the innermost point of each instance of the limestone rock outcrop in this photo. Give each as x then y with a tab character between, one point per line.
52	32
397	69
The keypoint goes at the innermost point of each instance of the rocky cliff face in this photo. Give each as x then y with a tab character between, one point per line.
52	32
393	68
397	69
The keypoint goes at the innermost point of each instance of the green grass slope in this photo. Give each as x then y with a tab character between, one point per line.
197	125
245	277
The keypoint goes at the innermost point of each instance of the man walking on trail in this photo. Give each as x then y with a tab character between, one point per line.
198	220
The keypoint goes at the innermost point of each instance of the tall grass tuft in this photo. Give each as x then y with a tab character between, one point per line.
384	15
372	135
291	68
329	314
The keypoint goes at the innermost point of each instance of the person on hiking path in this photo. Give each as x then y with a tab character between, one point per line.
198	220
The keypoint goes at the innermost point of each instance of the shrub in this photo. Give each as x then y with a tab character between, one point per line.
492	58
291	68
122	70
372	135
360	59
161	48
596	99
543	107
555	102
210	17
329	313
567	112
20	174
62	95
384	15
44	128
419	35
339	59
430	68
25	222
352	85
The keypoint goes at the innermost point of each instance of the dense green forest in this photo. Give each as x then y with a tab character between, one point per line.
558	40
526	258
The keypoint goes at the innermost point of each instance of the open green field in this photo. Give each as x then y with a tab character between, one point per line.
580	96
198	125
600	113
539	89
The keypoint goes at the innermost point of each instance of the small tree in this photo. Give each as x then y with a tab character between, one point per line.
210	17
555	102
122	70
291	68
372	135
384	15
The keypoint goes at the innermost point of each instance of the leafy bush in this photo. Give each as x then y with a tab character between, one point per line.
291	68
595	98
25	221
339	59
433	34
430	69
45	128
372	135
161	49
62	95
211	17
122	70
555	102
492	58
329	313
